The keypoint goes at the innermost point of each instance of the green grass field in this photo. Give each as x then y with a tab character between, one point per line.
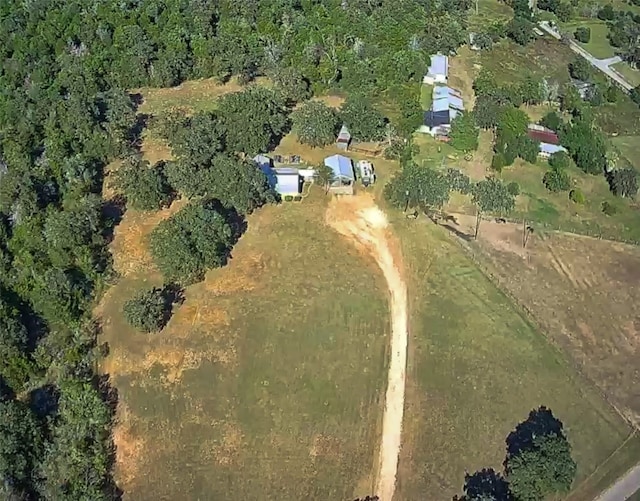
266	383
630	74
628	147
598	45
556	211
477	368
488	12
545	57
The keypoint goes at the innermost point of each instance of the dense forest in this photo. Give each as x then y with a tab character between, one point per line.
65	112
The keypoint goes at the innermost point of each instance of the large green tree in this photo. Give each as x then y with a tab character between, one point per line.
253	120
491	196
543	469
198	237
144	186
21	447
77	460
418	187
363	121
464	132
16	367
315	124
234	182
147	311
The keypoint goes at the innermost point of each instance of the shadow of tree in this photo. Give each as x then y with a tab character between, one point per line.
485	484
540	422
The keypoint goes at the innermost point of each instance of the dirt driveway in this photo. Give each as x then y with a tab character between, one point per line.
365	225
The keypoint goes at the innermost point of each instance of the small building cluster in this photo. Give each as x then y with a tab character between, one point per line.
446	102
286	175
549	141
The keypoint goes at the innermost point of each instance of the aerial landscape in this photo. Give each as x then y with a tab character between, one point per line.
348	250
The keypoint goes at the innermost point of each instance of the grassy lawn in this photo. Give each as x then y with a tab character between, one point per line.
628	147
488	12
598	45
266	381
630	74
609	472
546	209
426	96
545	57
476	369
556	211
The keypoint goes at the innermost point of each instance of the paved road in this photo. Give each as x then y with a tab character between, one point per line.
624	487
604	65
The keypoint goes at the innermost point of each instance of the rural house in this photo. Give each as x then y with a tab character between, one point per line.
548	139
446	104
343	175
284	180
344	138
438	71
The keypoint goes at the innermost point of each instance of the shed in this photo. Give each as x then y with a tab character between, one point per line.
547	149
344	138
343	175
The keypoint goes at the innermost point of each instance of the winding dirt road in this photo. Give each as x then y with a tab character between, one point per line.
365	225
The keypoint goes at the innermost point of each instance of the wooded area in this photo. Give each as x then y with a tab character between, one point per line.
65	112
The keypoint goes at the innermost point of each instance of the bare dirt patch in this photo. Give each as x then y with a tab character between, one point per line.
130	447
360	220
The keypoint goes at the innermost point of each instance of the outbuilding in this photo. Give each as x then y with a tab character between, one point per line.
343	174
344	138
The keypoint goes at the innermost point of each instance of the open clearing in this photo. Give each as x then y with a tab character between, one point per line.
191	96
476	368
267	381
598	45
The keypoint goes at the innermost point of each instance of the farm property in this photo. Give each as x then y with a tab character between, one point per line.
267	379
476	369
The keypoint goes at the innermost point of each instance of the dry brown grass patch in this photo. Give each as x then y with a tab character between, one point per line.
130	447
584	293
331	100
241	274
226	450
130	244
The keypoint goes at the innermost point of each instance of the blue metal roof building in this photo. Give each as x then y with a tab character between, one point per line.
341	166
548	149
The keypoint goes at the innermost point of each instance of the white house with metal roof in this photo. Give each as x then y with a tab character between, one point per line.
343	174
438	71
284	180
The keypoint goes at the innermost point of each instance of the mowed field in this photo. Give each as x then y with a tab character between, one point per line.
268	379
476	368
266	382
